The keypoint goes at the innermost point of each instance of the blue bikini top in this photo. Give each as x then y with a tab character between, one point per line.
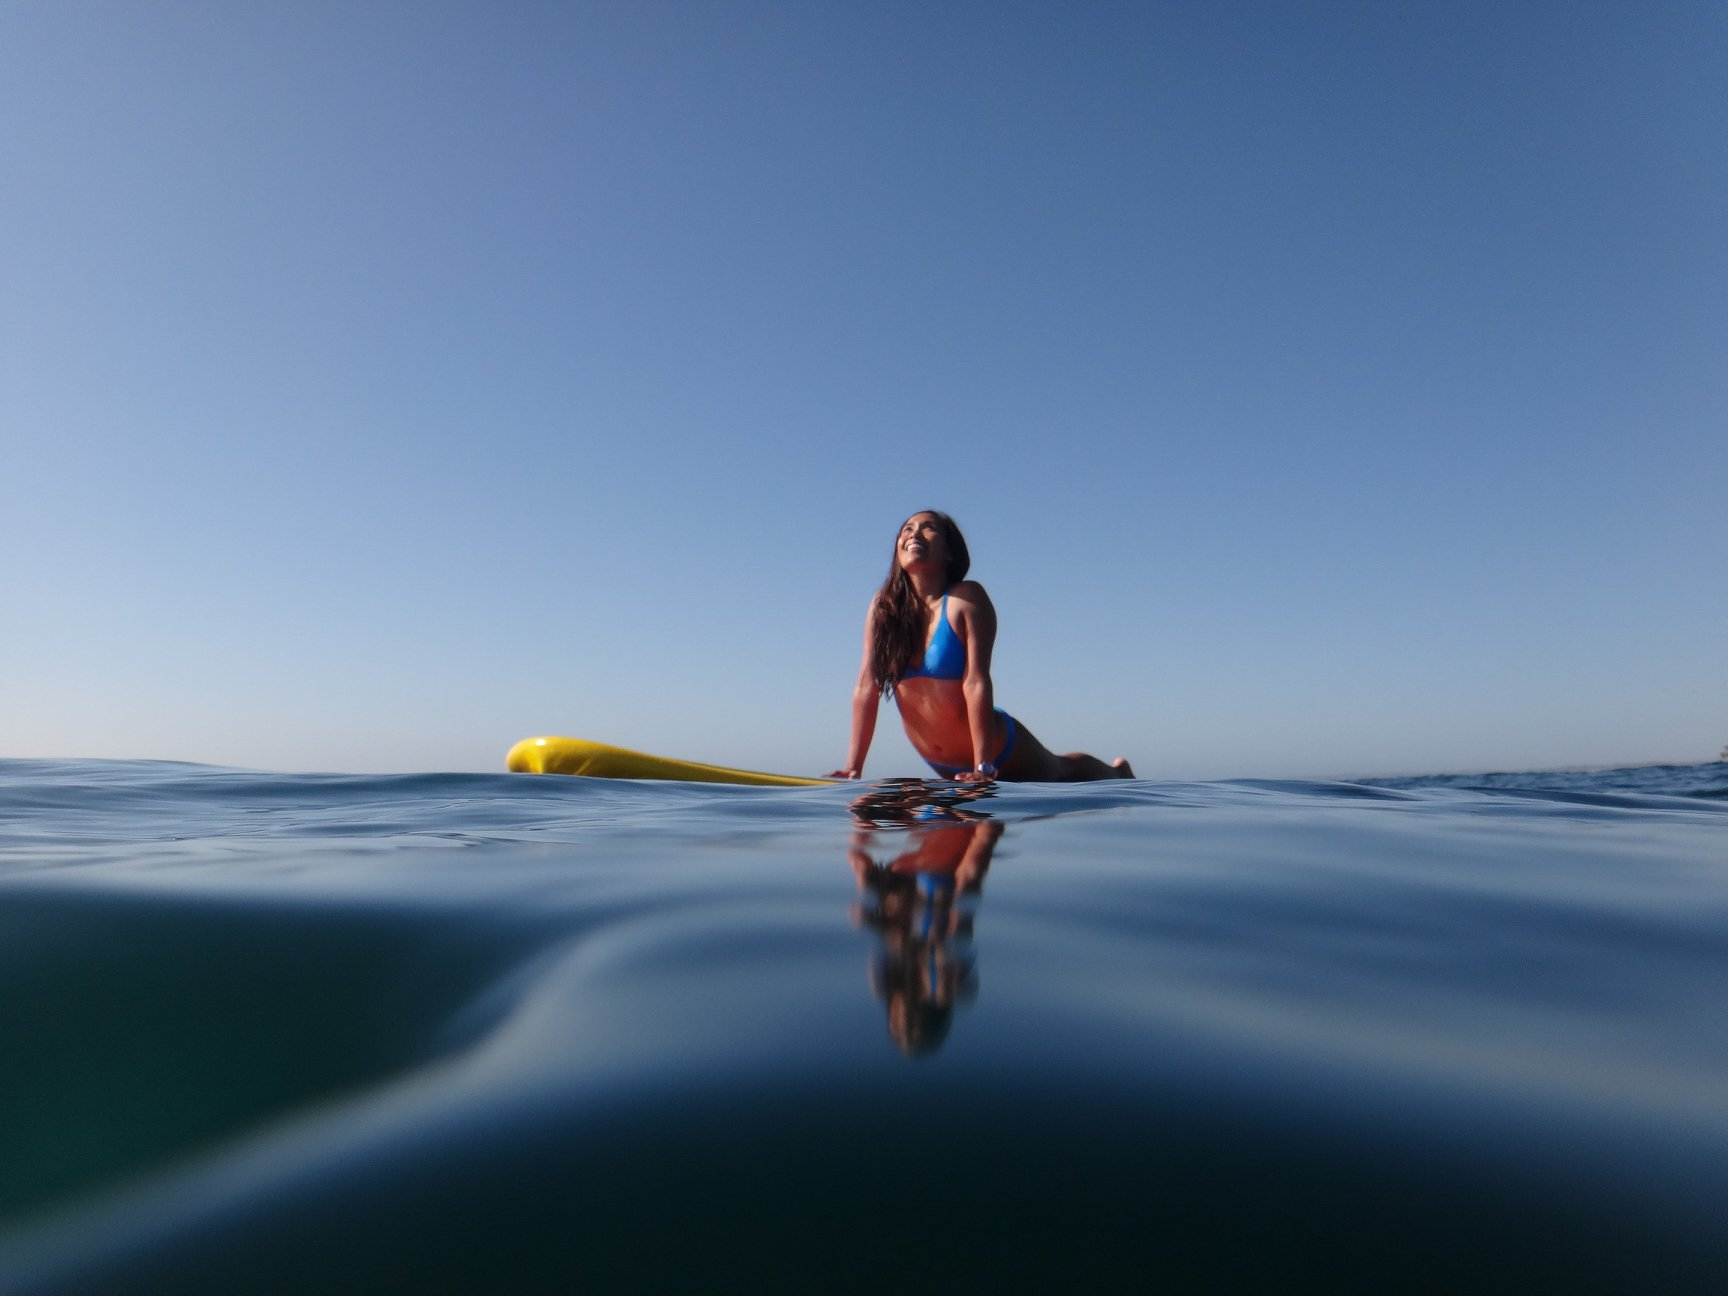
945	658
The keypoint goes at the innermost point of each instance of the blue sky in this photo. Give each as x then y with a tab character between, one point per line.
1324	389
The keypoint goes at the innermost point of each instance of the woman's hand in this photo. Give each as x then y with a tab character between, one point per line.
853	775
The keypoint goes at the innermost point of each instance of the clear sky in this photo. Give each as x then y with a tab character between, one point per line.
1324	388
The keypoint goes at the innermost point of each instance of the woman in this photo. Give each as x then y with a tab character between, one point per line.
927	641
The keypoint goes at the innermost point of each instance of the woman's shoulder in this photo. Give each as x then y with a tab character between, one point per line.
969	593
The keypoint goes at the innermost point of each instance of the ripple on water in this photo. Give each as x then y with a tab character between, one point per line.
478	1033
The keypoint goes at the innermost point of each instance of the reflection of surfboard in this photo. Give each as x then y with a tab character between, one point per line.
599	760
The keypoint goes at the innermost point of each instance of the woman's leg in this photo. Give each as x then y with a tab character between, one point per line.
1079	767
1032	762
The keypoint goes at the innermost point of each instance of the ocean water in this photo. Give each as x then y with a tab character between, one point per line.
322	1033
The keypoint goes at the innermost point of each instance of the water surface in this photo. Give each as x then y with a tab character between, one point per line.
314	1032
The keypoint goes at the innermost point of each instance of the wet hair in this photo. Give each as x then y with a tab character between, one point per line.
898	618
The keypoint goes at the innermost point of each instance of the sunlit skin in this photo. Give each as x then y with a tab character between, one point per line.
954	722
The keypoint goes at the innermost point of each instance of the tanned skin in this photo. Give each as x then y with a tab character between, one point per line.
954	722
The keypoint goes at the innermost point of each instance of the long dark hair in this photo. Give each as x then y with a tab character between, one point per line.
899	619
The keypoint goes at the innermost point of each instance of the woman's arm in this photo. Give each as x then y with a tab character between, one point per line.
970	875
978	629
866	699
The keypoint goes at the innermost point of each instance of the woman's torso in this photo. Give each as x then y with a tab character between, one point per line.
932	697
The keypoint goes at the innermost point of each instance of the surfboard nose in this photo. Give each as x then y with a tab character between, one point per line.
527	757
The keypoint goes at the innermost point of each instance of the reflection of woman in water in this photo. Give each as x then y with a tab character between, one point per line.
925	968
927	641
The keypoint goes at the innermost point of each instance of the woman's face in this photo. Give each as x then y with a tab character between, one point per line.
922	543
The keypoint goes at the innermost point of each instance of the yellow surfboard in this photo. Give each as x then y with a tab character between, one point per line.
601	760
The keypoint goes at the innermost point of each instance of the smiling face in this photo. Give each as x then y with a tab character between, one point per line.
930	546
923	543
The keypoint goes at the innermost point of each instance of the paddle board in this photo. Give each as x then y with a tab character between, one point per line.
601	760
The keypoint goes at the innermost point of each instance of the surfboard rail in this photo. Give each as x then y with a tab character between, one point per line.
582	756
